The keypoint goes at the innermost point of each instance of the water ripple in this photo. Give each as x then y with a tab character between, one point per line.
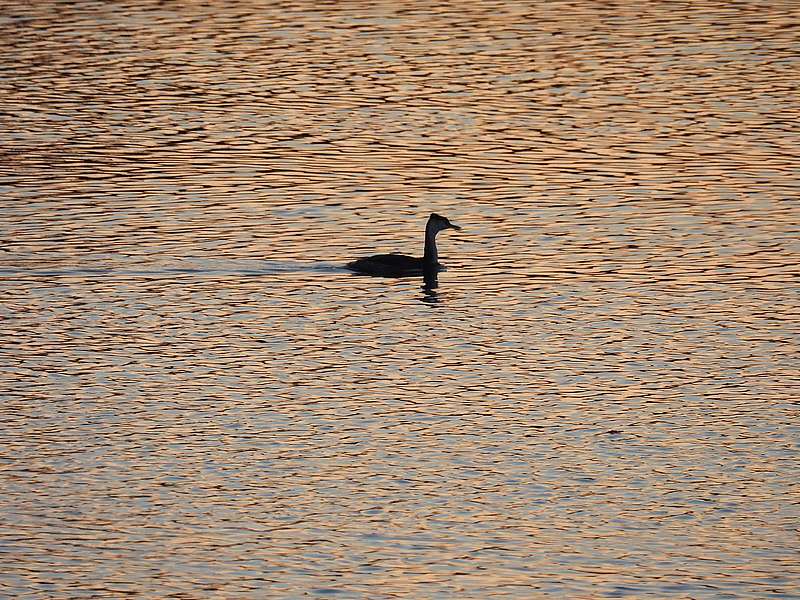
597	399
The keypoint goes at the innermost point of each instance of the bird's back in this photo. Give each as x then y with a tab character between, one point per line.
388	265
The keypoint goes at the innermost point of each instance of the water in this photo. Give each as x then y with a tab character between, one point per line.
599	399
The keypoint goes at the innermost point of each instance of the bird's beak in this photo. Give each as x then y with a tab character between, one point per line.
454	226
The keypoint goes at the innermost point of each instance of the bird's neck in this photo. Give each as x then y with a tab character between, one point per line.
431	256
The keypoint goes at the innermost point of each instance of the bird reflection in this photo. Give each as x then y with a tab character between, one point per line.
430	283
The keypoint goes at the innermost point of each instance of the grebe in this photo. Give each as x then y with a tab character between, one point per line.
400	265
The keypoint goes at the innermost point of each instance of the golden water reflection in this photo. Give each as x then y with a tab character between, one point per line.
598	399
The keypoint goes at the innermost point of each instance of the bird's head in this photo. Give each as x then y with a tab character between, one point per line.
439	223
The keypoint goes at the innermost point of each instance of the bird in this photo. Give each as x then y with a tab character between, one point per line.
400	265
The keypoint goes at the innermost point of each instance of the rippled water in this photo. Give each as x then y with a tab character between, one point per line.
599	399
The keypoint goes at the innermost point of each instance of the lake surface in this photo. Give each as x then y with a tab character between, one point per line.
599	399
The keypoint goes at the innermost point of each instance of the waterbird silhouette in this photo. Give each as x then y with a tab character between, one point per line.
401	265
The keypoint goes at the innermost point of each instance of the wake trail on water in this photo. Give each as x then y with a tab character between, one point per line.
199	268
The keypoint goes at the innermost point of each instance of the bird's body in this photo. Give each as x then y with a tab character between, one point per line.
400	265
389	265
